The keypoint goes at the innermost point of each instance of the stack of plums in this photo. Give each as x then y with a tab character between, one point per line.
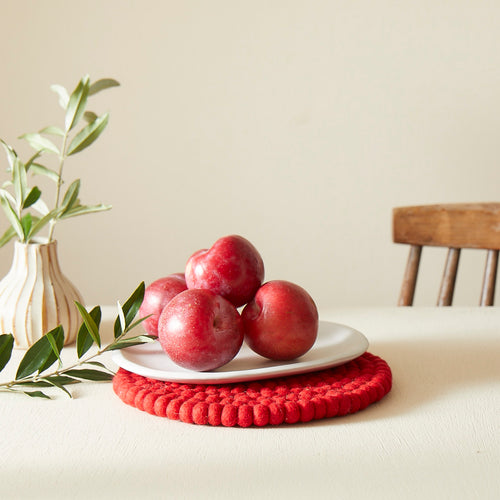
196	314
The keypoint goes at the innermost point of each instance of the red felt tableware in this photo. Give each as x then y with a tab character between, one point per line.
327	393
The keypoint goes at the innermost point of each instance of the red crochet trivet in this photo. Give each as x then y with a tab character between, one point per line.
333	392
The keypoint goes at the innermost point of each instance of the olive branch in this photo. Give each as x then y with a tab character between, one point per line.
33	368
17	198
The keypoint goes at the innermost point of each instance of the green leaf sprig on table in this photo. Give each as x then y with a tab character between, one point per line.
25	210
33	372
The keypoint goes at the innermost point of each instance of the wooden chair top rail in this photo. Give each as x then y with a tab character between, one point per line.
460	225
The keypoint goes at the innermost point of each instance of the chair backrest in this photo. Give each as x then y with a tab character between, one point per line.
455	226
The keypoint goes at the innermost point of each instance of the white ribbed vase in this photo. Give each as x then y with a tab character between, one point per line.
35	296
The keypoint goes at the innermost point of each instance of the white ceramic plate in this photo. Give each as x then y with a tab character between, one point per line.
336	344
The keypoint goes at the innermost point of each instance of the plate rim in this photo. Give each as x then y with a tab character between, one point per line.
235	376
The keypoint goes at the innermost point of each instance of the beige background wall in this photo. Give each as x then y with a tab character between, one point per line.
298	124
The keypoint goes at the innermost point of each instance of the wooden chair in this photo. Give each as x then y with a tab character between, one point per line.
455	226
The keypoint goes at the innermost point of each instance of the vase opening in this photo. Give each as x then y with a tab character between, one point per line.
39	240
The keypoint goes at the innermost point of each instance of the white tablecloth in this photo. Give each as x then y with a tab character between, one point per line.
435	435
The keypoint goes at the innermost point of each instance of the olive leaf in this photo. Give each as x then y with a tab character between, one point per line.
12	216
56	383
121	317
36	168
27	222
70	196
90	116
138	322
55	339
4	193
41	354
90	324
32	197
90	374
46	381
19	181
36	394
130	310
84	339
7	236
52	130
62	93
40	207
104	83
11	154
77	102
30	162
88	135
131	341
84	209
55	345
97	363
40	143
6	346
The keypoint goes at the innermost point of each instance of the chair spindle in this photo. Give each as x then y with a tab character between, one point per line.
449	277
490	276
410	277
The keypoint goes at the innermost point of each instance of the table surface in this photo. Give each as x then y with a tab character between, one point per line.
435	435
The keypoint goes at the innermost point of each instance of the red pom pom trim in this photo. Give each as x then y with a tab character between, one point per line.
333	392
